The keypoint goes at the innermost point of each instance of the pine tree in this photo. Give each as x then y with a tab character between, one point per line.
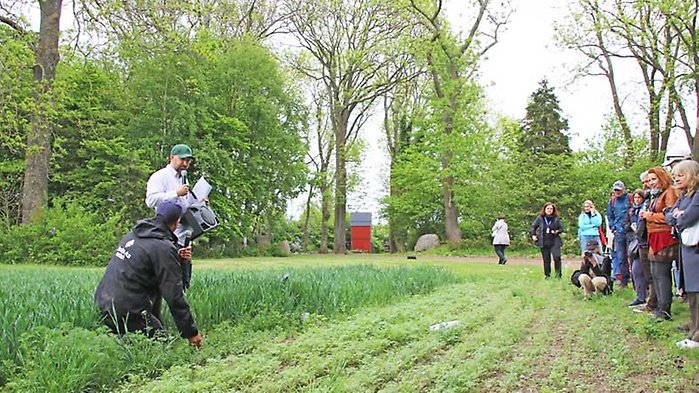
543	128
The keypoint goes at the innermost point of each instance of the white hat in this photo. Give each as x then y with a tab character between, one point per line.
669	160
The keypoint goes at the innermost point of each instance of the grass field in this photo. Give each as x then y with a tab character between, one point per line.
516	332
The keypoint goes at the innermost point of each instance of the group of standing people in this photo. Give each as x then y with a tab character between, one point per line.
645	235
645	227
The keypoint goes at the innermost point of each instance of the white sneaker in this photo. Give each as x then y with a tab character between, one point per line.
688	344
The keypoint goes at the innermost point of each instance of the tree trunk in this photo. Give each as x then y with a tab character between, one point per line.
340	192
325	211
38	153
340	185
304	243
451	212
397	233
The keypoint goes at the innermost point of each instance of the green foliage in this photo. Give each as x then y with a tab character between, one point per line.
92	161
418	201
67	234
117	117
41	307
543	127
16	107
48	352
228	100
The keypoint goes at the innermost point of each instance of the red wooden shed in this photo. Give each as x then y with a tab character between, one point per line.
361	231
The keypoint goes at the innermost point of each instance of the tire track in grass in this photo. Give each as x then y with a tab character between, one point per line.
396	326
516	366
571	348
460	368
421	345
552	357
326	352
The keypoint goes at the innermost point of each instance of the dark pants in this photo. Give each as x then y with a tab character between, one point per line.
186	275
652	302
546	253
639	280
662	282
144	322
500	250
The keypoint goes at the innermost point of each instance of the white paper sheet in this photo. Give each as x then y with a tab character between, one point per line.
201	190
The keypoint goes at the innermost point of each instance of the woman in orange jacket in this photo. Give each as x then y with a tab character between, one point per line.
663	247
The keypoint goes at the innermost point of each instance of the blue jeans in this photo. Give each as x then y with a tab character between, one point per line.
585	238
676	274
619	262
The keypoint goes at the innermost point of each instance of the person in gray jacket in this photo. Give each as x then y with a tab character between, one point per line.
144	269
501	238
684	215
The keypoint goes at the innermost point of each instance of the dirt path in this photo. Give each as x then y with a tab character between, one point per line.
568	262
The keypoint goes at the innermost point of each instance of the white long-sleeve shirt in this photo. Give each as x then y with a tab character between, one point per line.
162	186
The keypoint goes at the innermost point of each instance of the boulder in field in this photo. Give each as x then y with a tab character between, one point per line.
427	241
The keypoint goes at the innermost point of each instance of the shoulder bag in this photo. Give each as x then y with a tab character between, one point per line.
690	236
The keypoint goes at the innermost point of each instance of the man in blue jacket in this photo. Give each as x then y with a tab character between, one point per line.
144	269
618	216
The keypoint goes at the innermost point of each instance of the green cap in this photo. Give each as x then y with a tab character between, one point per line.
182	151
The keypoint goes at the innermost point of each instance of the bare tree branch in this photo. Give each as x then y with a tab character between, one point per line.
14	25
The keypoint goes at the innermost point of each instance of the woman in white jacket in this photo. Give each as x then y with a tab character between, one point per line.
501	238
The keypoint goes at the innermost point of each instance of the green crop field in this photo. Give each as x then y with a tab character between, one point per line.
345	323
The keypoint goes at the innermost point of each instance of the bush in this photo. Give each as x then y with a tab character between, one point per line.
67	234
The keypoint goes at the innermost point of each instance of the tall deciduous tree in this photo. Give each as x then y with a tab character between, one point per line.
351	41
403	107
612	32
452	62
229	101
320	160
38	150
682	19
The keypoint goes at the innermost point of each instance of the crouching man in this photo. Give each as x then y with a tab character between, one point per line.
145	268
592	277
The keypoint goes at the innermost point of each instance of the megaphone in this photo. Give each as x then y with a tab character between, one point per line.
199	218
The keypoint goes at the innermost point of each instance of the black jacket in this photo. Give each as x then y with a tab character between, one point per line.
538	227
145	266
